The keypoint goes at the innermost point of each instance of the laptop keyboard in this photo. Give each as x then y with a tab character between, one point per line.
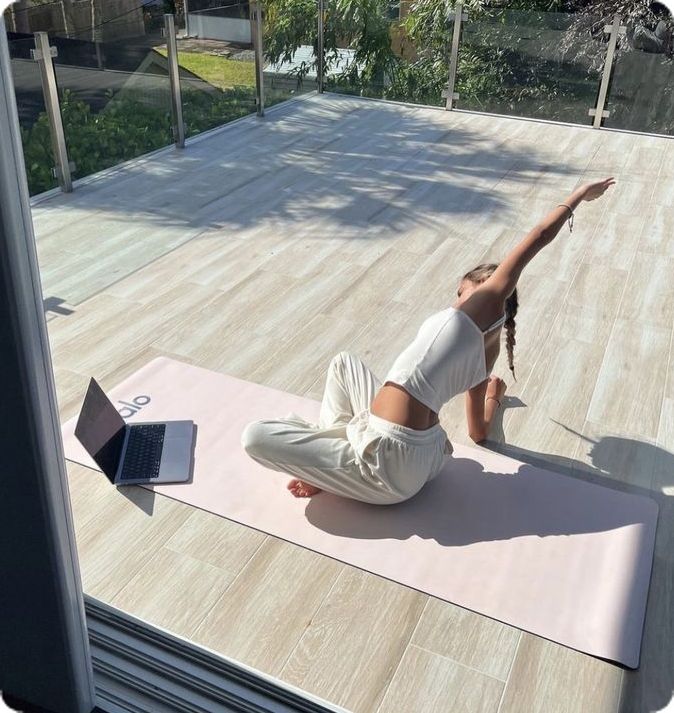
143	452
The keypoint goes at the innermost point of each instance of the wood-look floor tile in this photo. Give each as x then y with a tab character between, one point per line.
433	684
111	553
645	158
431	282
173	591
216	541
225	319
597	286
663	195
180	265
420	239
268	607
590	323
482	644
289	314
103	267
557	395
92	336
365	293
667	167
656	235
309	256
615	239
352	646
629	195
70	390
649	293
90	493
548	678
628	392
295	364
624	457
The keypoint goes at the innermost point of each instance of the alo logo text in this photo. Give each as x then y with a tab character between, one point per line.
129	409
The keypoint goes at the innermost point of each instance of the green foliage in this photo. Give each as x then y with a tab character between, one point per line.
126	128
205	110
359	25
494	73
37	154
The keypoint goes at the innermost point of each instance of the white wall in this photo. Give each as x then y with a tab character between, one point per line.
229	29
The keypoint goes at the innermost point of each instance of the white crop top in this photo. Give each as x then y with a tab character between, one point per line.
445	358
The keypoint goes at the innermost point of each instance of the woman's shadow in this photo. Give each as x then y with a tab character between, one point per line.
623	465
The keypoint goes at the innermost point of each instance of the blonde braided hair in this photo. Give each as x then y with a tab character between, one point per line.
477	276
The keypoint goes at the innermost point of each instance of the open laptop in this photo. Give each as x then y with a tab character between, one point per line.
141	453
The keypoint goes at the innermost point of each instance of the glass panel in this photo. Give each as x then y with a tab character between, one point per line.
544	65
217	65
113	82
390	49
35	134
641	93
290	48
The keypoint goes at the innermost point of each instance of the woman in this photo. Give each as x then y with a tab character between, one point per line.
381	443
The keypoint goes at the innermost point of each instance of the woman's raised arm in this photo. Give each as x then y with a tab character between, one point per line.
504	279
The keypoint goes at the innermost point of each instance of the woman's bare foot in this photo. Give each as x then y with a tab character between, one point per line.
300	489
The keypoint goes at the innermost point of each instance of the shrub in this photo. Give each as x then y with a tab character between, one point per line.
124	129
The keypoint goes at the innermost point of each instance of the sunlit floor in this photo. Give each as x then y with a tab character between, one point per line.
340	223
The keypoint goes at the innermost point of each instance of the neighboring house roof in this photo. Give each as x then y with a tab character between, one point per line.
304	55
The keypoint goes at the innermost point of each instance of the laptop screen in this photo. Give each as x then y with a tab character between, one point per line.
100	429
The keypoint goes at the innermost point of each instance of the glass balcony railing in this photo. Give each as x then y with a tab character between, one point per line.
641	96
35	129
387	53
291	64
540	65
116	96
217	65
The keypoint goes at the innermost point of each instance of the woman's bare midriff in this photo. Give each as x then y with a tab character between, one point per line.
393	403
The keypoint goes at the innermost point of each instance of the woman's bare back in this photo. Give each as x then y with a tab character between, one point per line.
395	404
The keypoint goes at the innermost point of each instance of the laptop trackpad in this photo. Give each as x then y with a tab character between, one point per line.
177	452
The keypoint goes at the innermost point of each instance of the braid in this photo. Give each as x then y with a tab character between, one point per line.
478	275
511	310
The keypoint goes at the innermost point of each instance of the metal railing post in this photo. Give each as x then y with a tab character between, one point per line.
98	38
256	16
186	11
614	31
449	94
320	68
43	55
174	80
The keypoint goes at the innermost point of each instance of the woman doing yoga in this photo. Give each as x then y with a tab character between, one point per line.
380	443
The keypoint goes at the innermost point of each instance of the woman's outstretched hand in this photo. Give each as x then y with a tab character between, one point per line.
596	189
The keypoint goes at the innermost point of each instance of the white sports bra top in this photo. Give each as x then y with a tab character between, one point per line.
446	357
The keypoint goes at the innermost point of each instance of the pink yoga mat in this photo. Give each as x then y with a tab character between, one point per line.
553	555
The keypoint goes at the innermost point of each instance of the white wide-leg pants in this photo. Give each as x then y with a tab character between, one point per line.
350	452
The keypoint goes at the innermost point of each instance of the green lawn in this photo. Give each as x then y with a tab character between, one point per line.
218	71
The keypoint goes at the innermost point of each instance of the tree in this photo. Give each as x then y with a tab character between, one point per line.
359	25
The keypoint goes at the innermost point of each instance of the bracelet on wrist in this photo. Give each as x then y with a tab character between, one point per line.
570	209
495	399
